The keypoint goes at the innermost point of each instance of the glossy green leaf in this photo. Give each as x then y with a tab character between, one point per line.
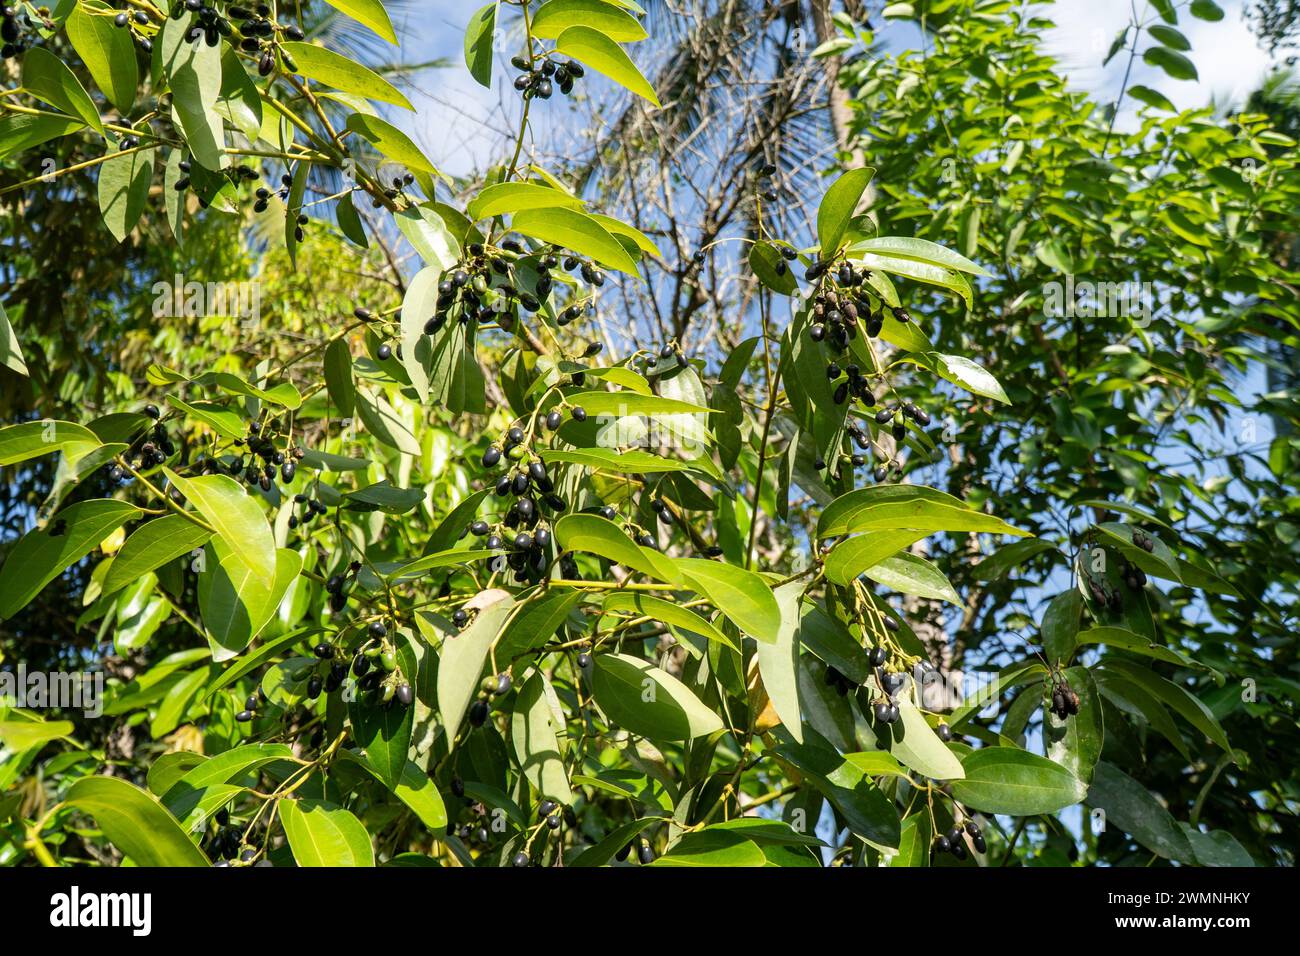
648	701
42	555
1075	741
574	229
370	13
33	439
333	69
391	142
554	17
236	517
778	661
1008	780
135	822
917	746
322	834
600	536
151	546
741	595
108	52
594	49
48	79
463	657
534	734
912	574
501	199
1132	808
193	71
838	207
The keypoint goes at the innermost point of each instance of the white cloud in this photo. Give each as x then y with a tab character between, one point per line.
1228	59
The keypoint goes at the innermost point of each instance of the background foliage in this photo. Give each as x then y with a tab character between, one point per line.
730	575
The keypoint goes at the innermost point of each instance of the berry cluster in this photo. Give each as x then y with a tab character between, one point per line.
954	841
385	684
137	19
14	28
1065	702
337	587
496	686
540	79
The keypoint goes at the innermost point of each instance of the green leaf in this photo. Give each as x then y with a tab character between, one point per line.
603	55
478	43
1145	94
391	142
383	496
854	509
615	840
974	378
416	790
911	574
428	234
920	250
134	822
536	622
1172	62
1206	10
33	439
503	199
577	231
384	423
47	78
1136	644
322	834
554	17
765	260
235	603
23	734
712	848
838	206
370	13
1060	625
257	658
1132	808
666	612
150	547
193	71
852	556
921	271
1016	782
462	658
534	734
108	52
20	132
632	462
1184	703
597	535
293	209
917	746
1075	741
741	595
41	556
225	422
11	356
623	403
1169	36
333	69
338	377
1216	848
236	517
778	661
997	564
649	702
